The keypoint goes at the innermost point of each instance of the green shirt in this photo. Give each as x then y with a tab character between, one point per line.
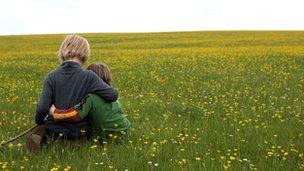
104	116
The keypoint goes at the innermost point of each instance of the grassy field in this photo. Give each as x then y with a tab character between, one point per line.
196	100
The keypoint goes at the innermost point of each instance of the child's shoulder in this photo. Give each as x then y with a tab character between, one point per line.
51	74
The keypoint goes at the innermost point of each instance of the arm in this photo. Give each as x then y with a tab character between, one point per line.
101	89
66	115
45	101
73	114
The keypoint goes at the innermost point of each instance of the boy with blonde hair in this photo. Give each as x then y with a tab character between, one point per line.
65	87
107	119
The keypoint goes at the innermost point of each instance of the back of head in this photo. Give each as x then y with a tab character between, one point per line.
102	71
74	46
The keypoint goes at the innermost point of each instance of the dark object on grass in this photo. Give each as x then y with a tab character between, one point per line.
35	140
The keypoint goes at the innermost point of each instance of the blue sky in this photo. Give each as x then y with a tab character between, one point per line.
78	16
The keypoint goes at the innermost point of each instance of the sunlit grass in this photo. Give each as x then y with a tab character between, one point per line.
196	100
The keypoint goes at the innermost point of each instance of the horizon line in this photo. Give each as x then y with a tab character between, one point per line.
152	32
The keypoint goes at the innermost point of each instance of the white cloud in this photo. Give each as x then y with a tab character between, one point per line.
62	16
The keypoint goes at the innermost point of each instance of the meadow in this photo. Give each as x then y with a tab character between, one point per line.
196	101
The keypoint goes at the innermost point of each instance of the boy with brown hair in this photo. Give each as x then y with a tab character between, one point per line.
107	119
65	87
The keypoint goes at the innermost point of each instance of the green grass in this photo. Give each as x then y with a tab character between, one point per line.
196	101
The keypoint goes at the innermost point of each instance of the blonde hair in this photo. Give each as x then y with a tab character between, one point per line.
103	71
74	46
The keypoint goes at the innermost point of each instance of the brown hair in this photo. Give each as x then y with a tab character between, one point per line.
103	71
74	46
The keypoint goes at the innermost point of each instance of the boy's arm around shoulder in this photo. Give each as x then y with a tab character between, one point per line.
100	88
45	101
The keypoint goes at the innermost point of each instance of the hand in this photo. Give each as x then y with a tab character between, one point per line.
52	110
